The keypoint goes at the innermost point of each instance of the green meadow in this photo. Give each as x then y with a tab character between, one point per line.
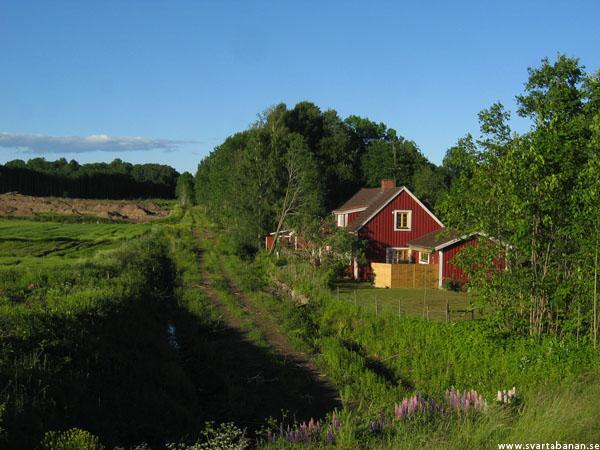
35	244
115	335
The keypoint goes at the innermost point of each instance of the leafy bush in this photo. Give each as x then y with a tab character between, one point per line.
2	409
73	439
226	436
454	285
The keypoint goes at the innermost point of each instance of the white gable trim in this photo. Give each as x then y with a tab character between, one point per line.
282	232
414	197
348	211
452	242
402	189
465	237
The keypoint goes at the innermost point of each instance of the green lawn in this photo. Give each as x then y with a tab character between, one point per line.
409	301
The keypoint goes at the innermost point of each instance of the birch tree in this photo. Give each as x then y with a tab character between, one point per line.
300	199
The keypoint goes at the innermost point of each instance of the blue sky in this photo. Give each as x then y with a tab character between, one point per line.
166	81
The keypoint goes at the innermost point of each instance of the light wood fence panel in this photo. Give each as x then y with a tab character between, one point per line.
405	275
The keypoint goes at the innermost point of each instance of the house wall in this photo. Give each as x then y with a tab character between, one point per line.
449	270
353	215
269	242
380	229
285	241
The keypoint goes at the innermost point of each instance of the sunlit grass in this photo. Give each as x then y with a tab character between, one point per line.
421	302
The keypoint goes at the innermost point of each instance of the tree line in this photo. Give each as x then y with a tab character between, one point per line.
62	178
294	165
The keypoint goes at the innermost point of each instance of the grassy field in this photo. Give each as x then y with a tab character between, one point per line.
418	302
34	244
111	328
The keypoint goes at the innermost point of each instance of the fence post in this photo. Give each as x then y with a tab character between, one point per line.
447	311
428	311
425	297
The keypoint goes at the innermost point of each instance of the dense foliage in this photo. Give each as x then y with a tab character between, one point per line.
295	165
62	178
538	194
185	189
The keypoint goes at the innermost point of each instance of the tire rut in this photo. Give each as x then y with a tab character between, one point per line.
319	395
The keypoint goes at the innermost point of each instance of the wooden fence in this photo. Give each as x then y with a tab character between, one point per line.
405	275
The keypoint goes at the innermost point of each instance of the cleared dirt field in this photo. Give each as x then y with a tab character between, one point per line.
17	205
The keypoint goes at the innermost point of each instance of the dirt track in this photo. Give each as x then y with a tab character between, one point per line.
17	205
318	395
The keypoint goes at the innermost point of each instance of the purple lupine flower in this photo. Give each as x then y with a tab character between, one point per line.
304	432
314	427
465	401
330	435
377	425
335	421
414	405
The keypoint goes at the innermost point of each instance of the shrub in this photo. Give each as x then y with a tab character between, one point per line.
73	439
2	407
454	285
225	437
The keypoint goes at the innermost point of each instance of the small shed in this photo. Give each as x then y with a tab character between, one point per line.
444	244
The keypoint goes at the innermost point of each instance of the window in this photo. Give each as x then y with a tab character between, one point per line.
423	258
342	220
397	255
402	220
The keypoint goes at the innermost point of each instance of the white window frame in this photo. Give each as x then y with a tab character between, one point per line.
408	220
421	254
407	261
342	220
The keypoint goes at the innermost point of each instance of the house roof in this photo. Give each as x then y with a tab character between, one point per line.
369	201
436	239
378	200
361	199
445	237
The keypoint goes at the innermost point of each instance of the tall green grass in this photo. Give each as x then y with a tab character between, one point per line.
377	360
87	346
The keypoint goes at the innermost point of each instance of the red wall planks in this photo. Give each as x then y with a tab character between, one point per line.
380	229
449	270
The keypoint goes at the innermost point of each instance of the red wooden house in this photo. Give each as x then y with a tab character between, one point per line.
400	229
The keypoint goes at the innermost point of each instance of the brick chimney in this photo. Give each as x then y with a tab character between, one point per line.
387	184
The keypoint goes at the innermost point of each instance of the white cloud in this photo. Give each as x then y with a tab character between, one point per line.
40	143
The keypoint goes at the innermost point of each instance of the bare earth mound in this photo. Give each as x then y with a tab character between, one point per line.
17	205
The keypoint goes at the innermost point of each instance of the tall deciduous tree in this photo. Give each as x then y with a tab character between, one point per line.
528	191
185	189
301	198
